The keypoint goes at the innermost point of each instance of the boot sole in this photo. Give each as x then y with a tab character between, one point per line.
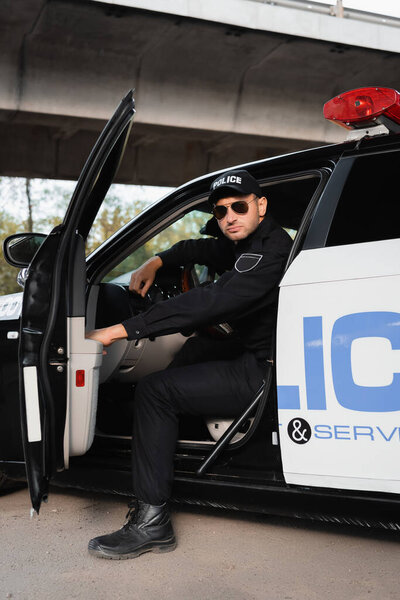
168	546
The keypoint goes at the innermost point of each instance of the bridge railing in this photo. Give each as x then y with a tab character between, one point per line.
335	10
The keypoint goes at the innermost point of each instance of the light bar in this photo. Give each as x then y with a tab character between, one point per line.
363	107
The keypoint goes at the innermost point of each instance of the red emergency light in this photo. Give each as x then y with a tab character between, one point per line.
363	107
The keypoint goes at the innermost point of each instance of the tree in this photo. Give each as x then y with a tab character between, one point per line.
24	197
29	201
112	216
39	205
186	227
8	274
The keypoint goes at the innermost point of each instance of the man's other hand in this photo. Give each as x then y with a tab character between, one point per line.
143	277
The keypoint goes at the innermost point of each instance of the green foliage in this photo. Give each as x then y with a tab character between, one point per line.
188	227
25	204
43	203
113	214
8	274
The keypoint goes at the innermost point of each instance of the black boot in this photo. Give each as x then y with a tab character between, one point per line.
148	529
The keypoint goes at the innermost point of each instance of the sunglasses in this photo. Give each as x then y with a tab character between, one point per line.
240	207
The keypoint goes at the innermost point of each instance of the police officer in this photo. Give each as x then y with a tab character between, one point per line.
208	377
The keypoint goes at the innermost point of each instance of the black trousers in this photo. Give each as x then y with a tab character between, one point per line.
207	378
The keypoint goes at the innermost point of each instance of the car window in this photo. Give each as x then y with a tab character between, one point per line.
369	208
288	200
121	204
187	227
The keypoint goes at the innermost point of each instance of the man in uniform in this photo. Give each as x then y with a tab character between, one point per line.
208	377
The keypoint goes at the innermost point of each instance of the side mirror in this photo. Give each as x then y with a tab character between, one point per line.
20	248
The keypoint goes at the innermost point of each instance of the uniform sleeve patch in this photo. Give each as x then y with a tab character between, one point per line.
247	262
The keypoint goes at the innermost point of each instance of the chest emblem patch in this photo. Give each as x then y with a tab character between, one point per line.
247	262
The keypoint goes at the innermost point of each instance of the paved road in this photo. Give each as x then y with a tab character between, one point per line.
220	556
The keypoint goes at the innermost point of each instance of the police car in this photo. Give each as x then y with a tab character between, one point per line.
321	439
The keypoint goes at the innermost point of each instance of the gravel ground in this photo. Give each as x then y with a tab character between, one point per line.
220	556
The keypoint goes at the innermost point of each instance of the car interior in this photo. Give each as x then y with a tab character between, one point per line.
110	302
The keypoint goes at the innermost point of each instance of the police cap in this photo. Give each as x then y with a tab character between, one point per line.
233	183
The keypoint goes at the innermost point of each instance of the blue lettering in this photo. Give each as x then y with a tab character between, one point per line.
360	430
288	397
347	432
341	431
345	331
323	432
384	436
314	363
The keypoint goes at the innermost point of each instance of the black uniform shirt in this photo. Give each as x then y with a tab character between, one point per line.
245	295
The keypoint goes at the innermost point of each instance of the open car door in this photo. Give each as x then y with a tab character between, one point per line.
56	362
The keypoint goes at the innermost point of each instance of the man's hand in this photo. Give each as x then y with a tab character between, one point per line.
108	335
143	277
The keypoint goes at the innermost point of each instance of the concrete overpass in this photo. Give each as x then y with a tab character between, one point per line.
217	83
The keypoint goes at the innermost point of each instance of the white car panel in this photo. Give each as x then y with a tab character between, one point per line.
32	404
355	261
10	306
83	355
338	367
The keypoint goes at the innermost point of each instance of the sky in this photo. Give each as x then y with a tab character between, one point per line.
384	7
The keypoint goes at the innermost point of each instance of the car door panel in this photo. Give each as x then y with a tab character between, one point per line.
40	372
338	367
84	361
53	347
